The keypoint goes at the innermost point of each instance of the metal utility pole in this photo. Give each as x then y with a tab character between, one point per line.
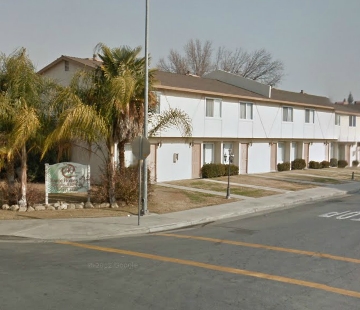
146	109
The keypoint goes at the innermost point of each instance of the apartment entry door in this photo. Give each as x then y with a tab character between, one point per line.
244	158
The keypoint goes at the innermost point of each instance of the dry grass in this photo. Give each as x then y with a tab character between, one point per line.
219	187
336	173
162	200
278	184
307	177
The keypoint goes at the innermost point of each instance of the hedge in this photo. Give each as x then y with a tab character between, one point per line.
218	170
342	163
283	166
355	163
333	162
298	164
314	165
325	164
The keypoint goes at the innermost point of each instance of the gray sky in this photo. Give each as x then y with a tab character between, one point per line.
318	40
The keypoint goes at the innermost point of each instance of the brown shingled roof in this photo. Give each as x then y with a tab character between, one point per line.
90	62
190	82
282	95
347	108
87	62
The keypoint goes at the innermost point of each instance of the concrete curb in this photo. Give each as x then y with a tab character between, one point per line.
142	230
240	214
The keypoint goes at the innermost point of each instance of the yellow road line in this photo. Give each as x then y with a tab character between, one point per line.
255	274
266	247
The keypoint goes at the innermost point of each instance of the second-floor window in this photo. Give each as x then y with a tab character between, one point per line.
246	110
67	66
309	116
337	119
213	108
287	114
352	121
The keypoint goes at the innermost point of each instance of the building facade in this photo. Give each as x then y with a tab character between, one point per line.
262	126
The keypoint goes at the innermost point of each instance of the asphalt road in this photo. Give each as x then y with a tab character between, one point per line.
307	257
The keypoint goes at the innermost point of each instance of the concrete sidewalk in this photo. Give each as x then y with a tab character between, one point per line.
99	228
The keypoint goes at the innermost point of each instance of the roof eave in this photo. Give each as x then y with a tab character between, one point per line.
258	99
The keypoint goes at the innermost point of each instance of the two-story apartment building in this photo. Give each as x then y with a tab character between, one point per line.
347	132
261	125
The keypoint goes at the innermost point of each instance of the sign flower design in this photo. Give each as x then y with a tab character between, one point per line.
68	171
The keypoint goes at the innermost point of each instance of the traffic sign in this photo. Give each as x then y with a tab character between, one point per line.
140	147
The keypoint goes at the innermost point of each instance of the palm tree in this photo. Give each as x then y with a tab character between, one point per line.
107	105
117	63
23	97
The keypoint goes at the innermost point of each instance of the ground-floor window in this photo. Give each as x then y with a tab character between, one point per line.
293	150
208	153
281	152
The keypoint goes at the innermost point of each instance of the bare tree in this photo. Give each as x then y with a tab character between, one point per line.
197	59
175	63
261	67
231	61
258	65
199	56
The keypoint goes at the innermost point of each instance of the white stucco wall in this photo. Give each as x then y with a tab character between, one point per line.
347	133
94	158
353	154
167	169
267	121
192	104
324	127
59	74
317	152
259	158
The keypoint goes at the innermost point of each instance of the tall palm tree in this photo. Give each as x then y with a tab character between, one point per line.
23	97
107	105
117	63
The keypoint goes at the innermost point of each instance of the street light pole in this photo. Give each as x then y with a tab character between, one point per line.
228	184
146	108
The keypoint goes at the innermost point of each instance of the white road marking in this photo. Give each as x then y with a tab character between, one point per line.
342	215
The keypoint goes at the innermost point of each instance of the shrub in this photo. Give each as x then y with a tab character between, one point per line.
212	170
298	164
324	164
355	163
314	165
126	186
234	170
10	193
342	163
218	170
283	166
333	162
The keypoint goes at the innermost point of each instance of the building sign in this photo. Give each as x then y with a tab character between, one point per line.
66	178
